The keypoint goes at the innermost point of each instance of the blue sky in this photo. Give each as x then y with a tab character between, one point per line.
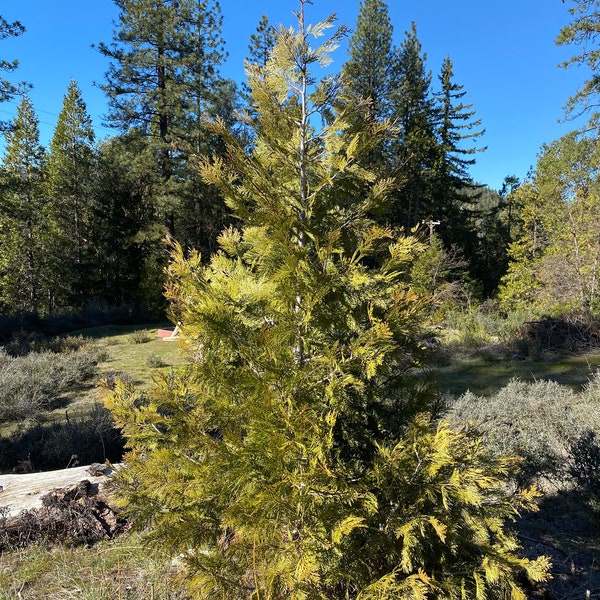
503	53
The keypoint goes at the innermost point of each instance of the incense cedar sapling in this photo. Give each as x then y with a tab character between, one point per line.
296	457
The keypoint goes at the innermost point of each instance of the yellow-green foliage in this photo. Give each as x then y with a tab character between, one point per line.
554	256
292	460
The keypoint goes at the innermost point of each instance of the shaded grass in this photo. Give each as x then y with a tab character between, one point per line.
484	376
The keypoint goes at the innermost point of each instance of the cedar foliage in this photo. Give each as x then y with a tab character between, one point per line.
297	457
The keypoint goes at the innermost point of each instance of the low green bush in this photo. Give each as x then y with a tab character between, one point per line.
481	325
22	343
154	361
110	378
140	337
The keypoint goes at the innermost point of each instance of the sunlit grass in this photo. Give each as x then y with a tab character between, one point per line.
128	350
112	570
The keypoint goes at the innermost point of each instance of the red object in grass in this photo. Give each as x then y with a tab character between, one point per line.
168	334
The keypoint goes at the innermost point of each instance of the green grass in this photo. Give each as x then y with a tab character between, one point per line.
128	349
118	569
485	376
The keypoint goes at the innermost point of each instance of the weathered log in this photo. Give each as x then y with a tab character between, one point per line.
75	514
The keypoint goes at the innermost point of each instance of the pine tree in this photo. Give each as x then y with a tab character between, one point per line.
493	222
127	238
23	274
7	88
261	43
582	32
259	50
417	147
71	171
294	460
367	81
367	73
452	203
165	57
164	80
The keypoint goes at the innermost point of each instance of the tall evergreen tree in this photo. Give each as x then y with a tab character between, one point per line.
261	45
492	221
455	128
367	74
293	461
367	78
71	171
416	148
23	277
262	42
126	233
583	33
453	193
164	80
165	60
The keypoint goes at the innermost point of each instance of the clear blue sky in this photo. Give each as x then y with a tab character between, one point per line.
503	53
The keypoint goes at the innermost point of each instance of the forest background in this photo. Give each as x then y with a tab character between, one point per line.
135	260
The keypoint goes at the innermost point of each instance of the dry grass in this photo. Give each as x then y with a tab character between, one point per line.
122	569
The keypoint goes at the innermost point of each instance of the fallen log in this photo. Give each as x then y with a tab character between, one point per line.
71	515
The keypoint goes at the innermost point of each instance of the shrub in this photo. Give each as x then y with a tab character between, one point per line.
533	420
85	440
23	343
140	337
154	361
584	463
110	378
467	327
35	382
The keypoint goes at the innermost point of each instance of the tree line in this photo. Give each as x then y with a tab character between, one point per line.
85	220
